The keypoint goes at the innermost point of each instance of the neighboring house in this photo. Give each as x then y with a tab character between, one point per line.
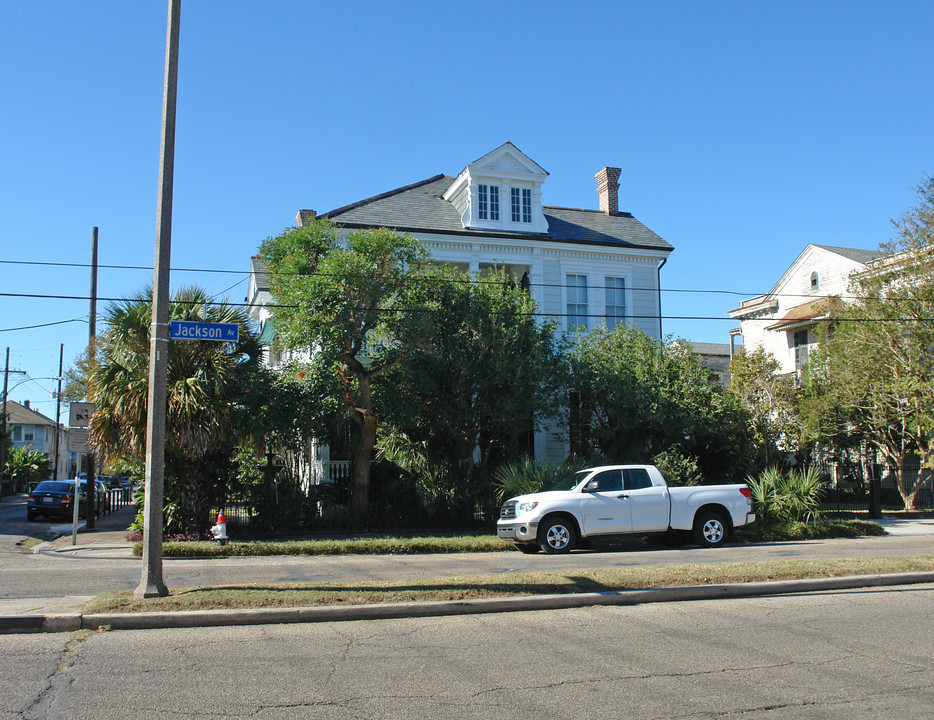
29	428
784	320
583	267
716	357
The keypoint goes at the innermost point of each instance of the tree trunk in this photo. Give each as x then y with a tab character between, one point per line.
360	503
875	492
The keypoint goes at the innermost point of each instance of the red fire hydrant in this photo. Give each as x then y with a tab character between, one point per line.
219	531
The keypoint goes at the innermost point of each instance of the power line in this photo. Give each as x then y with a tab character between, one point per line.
42	325
465	280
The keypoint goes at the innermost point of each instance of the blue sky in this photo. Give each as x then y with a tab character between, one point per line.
744	130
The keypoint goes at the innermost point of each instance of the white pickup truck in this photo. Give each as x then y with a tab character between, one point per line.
621	499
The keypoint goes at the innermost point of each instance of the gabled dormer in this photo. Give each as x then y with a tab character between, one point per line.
500	191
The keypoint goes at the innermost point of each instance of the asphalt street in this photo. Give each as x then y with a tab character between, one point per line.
850	655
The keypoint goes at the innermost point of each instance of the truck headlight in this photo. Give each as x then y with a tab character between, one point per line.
525	507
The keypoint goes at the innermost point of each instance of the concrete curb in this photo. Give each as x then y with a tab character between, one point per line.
333	613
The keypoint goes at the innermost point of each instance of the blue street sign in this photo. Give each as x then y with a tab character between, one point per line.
188	330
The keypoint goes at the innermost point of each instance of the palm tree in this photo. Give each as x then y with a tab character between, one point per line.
204	380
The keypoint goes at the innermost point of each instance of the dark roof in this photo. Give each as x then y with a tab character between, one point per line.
856	254
420	208
22	415
709	348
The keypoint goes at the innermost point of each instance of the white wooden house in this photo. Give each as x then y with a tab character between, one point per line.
783	321
582	266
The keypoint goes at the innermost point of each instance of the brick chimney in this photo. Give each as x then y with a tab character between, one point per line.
304	217
26	405
608	190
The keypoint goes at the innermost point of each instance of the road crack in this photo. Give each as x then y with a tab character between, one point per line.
57	685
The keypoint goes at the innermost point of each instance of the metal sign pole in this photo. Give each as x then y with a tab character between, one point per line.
74	519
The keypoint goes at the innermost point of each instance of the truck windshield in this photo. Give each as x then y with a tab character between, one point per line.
569	482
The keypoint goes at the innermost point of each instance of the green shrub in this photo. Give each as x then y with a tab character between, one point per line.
527	476
677	468
788	497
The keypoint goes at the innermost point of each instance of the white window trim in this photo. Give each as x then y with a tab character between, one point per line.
579	268
626	277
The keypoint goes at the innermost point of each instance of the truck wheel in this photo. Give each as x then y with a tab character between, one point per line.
710	530
526	548
556	535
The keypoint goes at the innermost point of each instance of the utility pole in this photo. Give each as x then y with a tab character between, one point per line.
92	353
151	584
58	413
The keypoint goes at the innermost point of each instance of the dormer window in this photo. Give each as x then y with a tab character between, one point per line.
503	174
521	204
488	202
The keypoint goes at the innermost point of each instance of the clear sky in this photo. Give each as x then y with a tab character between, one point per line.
744	130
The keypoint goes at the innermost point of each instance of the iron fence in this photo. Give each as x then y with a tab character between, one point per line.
846	486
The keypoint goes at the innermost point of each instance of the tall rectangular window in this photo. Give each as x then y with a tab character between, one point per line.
577	300
615	301
801	350
520	202
488	202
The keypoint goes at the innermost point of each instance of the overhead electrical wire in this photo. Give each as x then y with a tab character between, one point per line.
471	280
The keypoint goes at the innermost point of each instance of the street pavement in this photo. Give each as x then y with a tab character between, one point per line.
62	612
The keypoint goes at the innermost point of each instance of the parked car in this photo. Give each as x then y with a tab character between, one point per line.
54	498
101	496
112	482
618	500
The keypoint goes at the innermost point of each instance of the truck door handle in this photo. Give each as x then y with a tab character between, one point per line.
624	496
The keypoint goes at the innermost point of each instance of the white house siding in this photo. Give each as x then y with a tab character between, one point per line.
834	268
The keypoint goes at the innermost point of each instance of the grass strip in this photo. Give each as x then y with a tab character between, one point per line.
403	545
488	586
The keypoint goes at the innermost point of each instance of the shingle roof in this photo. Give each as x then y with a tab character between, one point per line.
22	415
420	208
856	254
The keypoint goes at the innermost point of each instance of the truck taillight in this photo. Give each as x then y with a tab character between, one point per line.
746	491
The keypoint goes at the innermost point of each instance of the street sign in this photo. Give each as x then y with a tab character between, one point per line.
80	414
188	330
78	441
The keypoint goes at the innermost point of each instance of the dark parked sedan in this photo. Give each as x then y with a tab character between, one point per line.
54	498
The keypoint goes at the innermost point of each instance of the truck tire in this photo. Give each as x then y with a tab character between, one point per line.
711	530
557	535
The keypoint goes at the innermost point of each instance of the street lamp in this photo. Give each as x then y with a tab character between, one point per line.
3	423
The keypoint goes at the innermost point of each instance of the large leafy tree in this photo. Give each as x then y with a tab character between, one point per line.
636	398
205	380
769	399
345	301
472	394
873	370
